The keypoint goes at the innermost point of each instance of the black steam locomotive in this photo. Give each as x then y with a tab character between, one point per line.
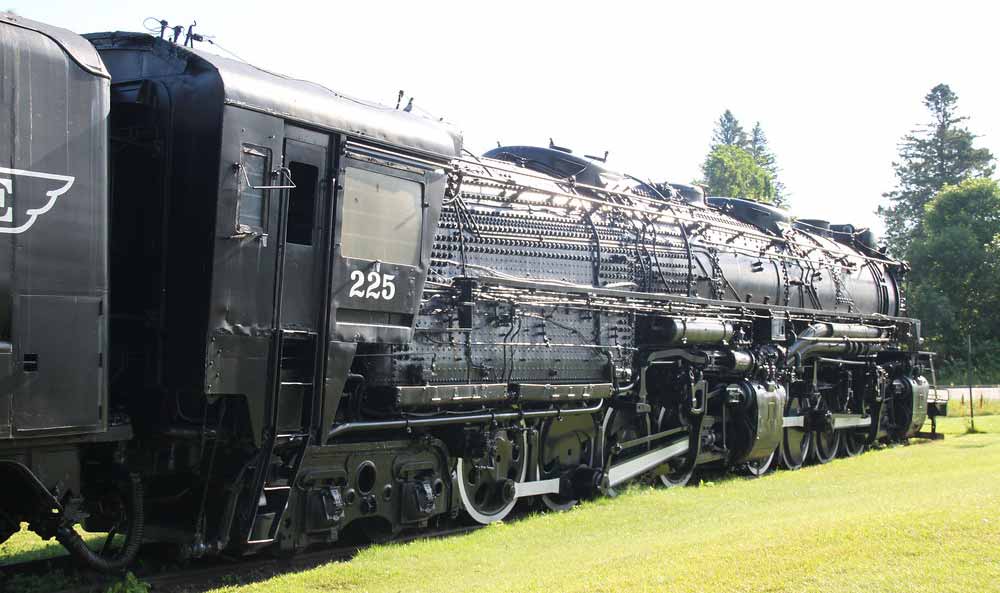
245	312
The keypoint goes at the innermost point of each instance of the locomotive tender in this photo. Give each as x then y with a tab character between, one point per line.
245	312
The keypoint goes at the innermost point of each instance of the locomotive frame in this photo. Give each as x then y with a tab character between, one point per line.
314	315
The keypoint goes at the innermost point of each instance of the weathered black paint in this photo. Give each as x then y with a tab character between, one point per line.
53	263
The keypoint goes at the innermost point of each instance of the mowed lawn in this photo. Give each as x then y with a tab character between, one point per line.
923	517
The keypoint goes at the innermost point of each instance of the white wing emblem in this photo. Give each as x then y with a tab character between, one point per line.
7	190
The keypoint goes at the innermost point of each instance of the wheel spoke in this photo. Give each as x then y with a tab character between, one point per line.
486	486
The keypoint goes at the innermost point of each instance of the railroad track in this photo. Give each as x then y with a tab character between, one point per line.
198	575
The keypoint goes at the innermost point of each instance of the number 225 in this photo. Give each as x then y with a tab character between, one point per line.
380	286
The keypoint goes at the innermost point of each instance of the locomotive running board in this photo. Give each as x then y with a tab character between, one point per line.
645	462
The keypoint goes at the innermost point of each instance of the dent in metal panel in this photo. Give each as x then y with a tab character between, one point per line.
244	264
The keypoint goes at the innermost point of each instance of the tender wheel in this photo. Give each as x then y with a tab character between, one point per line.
852	443
759	467
564	445
486	483
826	443
796	441
670	474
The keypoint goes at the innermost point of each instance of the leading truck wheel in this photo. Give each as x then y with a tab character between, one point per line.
120	512
486	484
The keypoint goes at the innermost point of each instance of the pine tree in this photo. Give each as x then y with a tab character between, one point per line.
729	132
940	153
760	151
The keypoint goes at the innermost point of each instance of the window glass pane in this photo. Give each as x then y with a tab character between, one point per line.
302	203
252	201
381	217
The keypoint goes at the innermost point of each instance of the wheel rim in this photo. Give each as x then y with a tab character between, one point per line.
671	474
852	443
759	467
795	441
826	443
563	445
620	426
486	487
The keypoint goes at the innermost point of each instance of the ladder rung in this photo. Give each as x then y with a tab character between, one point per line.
297	383
276	488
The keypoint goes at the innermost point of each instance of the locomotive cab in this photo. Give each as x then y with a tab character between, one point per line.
269	228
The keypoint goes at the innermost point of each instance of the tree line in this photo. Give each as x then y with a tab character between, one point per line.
943	217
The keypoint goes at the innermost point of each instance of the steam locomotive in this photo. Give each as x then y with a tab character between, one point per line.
243	312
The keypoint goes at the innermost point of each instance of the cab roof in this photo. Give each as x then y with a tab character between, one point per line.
245	85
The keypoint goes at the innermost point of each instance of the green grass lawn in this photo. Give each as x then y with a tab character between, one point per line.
923	517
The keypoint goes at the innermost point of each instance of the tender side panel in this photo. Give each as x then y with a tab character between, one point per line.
53	237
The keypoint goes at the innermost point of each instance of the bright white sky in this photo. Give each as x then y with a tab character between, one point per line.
835	86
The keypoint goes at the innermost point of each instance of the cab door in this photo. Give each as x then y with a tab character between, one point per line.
305	158
303	235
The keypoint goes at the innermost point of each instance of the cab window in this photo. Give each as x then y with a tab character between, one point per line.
381	217
253	198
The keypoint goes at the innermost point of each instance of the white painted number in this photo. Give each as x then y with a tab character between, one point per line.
380	286
388	288
358	277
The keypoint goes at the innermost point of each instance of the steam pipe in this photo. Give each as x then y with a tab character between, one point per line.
481	418
834	338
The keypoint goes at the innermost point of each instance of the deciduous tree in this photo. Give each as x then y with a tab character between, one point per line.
955	284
